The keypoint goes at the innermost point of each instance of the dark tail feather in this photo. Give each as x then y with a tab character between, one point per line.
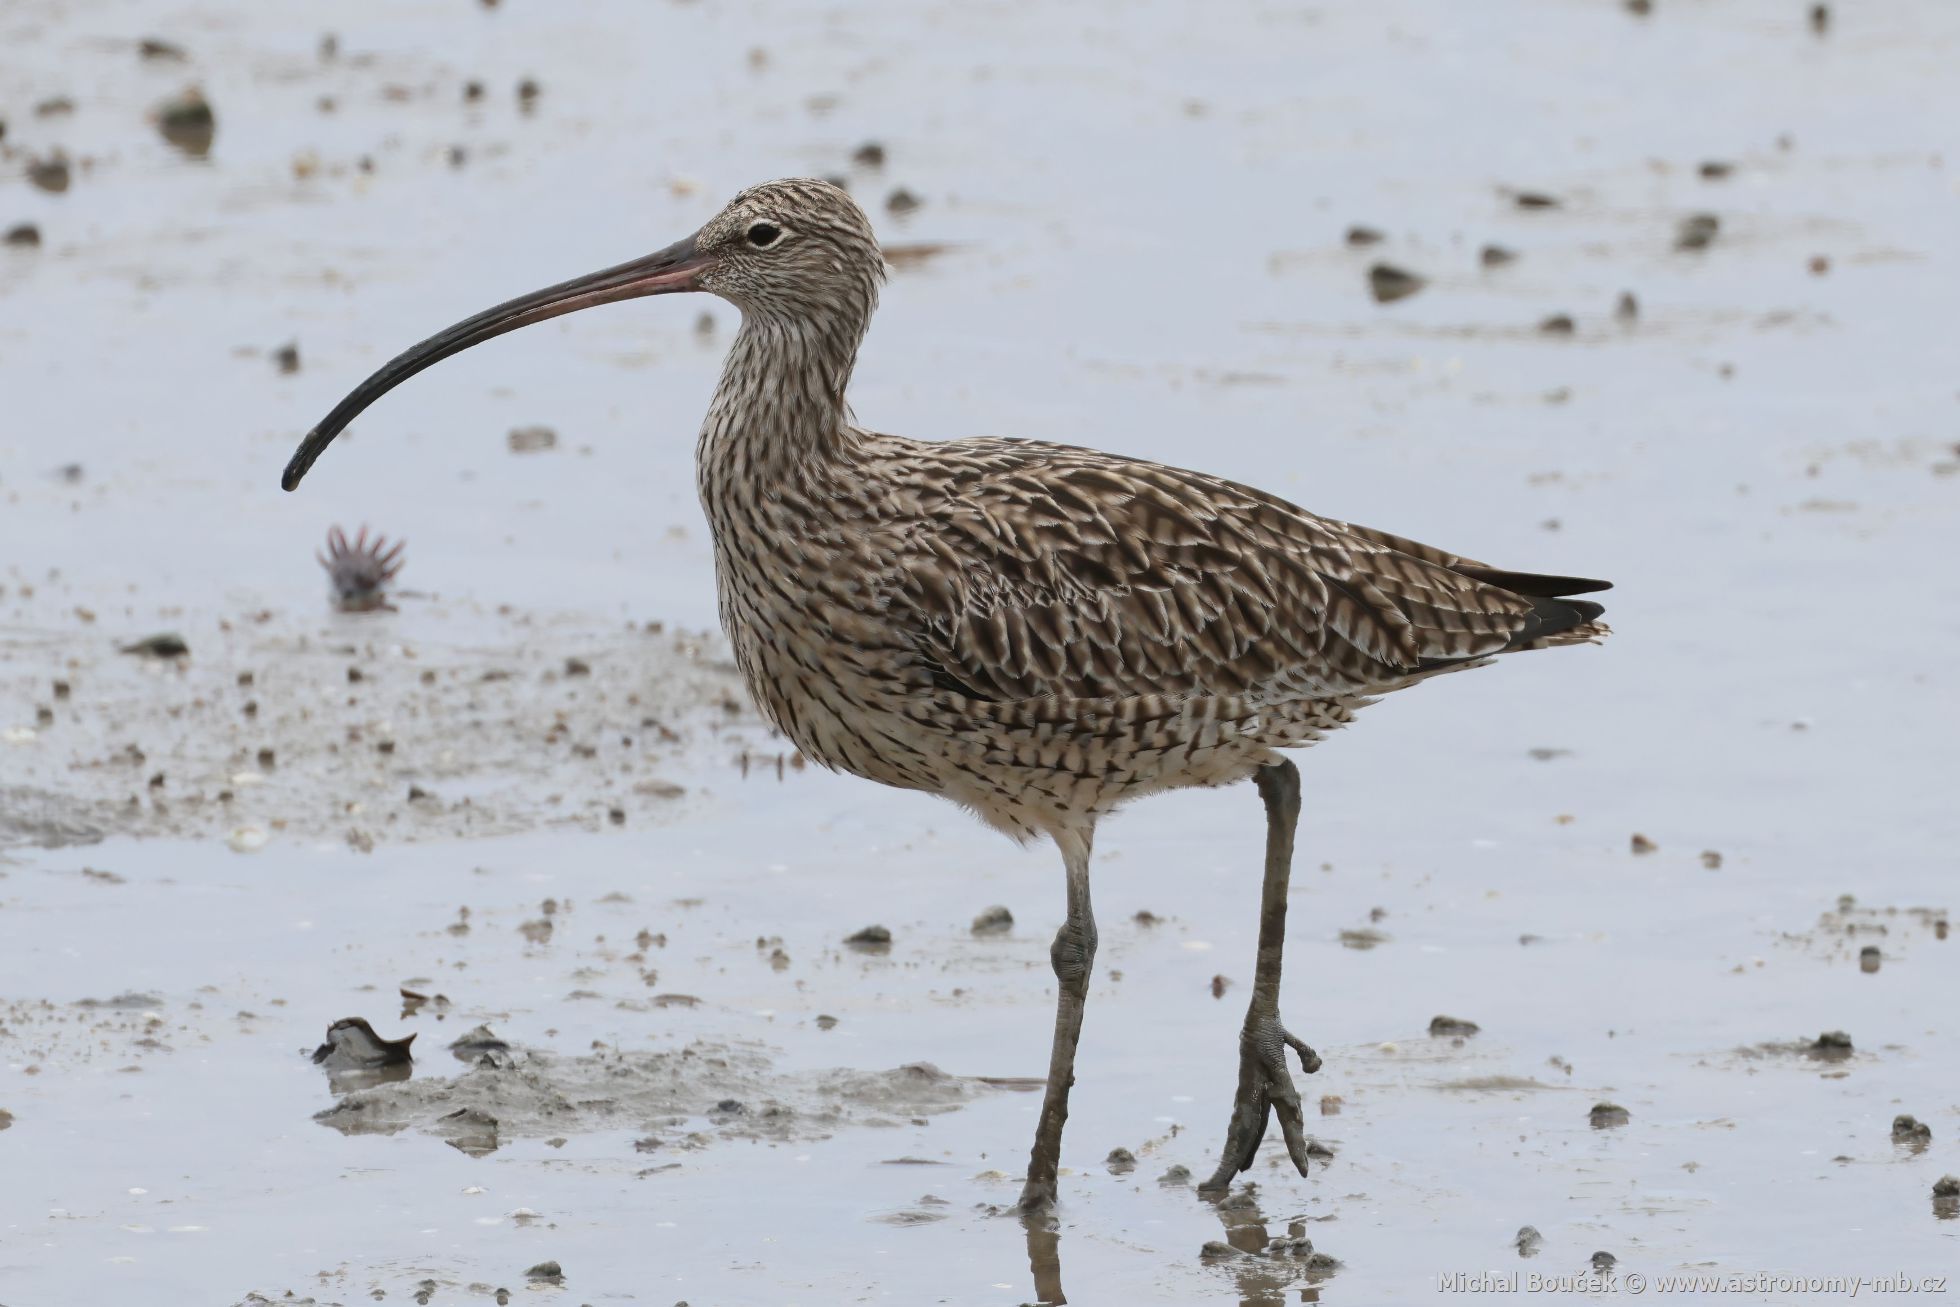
1531	583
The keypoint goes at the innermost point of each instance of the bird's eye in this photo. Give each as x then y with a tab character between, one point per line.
764	234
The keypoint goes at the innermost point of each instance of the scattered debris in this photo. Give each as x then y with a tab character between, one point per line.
1870	958
23	235
528	92
1496	256
151	47
1536	200
870	939
1641	844
1441	1027
529	440
1177	1175
1627	310
1715	170
901	202
1820	19
1711	860
1559	324
286	358
1219	984
1360	236
869	155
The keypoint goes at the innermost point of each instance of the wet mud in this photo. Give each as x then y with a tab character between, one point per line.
1635	958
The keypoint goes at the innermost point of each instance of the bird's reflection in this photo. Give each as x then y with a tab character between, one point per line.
1266	1267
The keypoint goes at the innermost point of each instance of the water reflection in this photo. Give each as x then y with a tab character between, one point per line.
1269	1270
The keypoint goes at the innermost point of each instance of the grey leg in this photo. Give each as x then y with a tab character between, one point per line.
1072	954
1265	1085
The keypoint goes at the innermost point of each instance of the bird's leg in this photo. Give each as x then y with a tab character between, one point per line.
1072	954
1265	1085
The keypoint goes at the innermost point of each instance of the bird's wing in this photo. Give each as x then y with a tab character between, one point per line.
1034	571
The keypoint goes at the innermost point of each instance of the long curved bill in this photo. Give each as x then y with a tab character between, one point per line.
676	268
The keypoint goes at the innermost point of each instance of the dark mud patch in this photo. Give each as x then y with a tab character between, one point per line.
260	729
680	1099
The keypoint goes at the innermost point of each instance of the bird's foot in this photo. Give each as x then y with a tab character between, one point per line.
1265	1089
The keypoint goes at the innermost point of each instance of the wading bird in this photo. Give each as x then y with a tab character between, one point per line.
1037	632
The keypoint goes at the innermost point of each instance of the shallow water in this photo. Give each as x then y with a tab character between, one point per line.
1146	207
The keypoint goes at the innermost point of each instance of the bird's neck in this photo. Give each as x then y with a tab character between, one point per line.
779	415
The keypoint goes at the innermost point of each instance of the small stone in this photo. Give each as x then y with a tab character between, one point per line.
286	357
902	201
528	92
871	937
996	920
869	155
1602	1262
1911	1130
1388	283
577	667
549	1272
1697	231
1449	1027
1870	958
1331	1104
1528	1241
1947	1186
1715	170
50	173
1177	1175
1820	19
704	326
1831	1046
1121	1161
151	47
1360	236
24	235
188	123
1536	200
1219	984
1711	860
1639	9
472	91
826	1022
1819	265
1216	1250
1627	310
1559	324
1641	844
1496	256
164	644
1605	1116
529	440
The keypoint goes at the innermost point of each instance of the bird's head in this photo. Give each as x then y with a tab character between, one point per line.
797	253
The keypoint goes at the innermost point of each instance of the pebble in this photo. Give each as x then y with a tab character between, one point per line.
1820	19
1697	231
996	920
1947	1186
870	937
1528	1241
1445	1027
286	357
1496	256
1121	1161
1641	844
1911	1130
188	122
1870	958
1627	310
1715	170
546	1271
51	173
1177	1175
869	155
23	235
1831	1046
902	201
1711	860
151	47
1559	324
529	440
1388	283
1605	1116
1536	200
1358	235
